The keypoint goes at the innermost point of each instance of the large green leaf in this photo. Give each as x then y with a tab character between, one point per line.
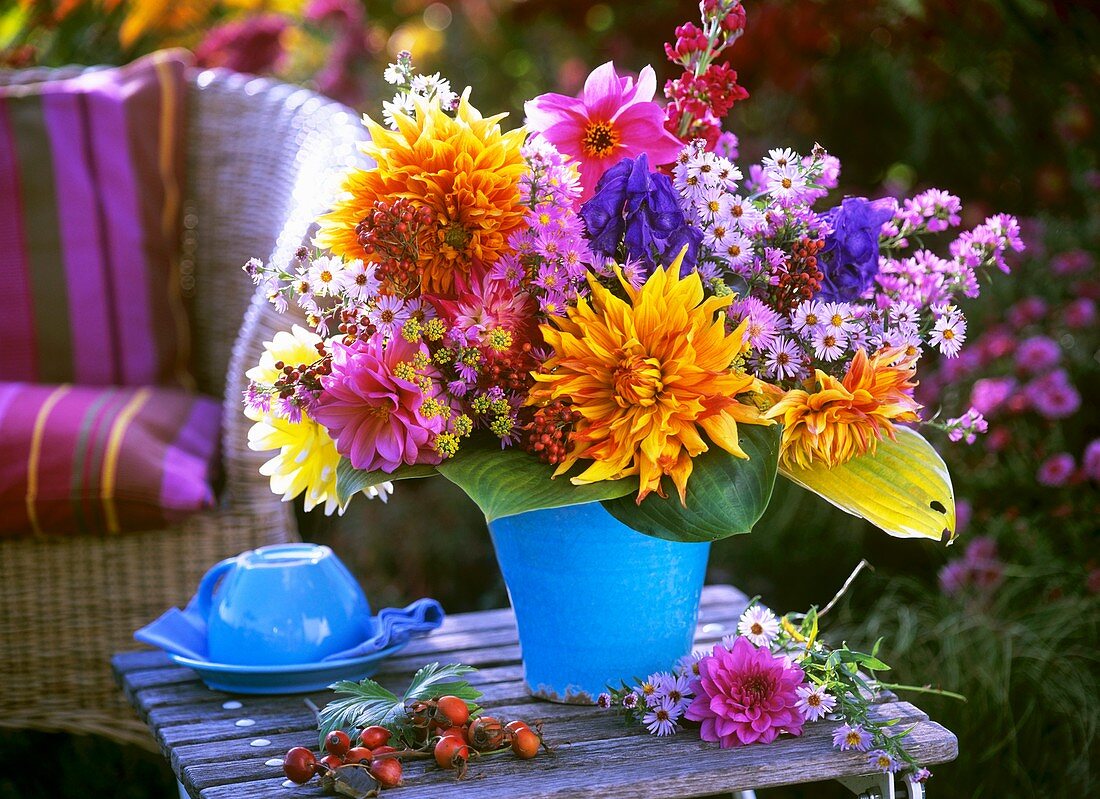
903	489
725	495
350	481
511	481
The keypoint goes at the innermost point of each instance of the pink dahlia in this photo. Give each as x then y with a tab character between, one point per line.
745	694
613	118
374	415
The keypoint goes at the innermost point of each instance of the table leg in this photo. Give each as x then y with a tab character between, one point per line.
882	786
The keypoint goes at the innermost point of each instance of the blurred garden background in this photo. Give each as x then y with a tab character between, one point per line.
994	100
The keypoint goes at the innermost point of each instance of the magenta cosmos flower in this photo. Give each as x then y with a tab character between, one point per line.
745	694
373	415
613	118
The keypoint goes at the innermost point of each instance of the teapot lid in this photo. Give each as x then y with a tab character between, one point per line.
281	555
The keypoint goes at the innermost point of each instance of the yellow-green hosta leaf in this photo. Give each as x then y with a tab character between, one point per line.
903	489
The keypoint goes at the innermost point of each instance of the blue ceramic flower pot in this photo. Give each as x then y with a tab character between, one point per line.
596	602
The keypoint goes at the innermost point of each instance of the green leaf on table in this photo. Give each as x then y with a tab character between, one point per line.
363	704
433	681
510	481
350	481
725	495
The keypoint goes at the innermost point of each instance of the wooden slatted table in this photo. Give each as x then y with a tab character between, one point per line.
595	753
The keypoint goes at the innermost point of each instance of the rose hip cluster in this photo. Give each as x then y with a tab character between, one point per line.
390	236
443	731
300	764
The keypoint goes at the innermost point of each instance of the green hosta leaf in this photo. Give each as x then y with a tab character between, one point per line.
510	481
350	481
903	489
725	495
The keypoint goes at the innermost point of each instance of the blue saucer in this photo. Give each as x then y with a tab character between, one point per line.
297	678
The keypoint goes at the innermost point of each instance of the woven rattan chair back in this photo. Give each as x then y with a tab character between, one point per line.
262	158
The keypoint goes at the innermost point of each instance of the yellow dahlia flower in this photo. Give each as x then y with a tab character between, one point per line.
841	419
463	168
648	376
307	458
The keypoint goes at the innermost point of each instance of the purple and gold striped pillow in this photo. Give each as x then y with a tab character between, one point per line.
103	460
91	171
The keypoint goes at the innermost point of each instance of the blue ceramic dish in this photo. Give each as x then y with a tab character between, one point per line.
286	679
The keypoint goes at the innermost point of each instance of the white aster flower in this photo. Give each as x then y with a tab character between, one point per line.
402	104
786	182
759	625
327	276
361	282
744	214
949	333
838	317
711	205
717	236
736	249
829	346
780	157
394	74
808	317
661	718
814	703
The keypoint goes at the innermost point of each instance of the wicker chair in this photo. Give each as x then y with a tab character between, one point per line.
262	158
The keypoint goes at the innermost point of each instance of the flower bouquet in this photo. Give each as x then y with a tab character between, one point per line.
602	309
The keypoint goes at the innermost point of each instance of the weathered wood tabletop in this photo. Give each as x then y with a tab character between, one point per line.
215	756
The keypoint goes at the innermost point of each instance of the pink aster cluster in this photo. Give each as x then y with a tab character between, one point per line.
745	694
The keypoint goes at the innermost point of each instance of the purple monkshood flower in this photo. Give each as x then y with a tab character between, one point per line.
641	209
850	258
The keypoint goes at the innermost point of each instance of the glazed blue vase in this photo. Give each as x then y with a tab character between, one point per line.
596	602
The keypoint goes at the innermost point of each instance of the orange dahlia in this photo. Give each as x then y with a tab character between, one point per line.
463	168
647	377
841	419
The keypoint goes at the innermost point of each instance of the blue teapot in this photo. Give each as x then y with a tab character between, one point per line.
281	605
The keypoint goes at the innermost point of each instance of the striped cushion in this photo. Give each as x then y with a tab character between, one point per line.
84	459
91	170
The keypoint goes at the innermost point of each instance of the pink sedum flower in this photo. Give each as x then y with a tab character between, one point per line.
612	119
744	695
373	415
